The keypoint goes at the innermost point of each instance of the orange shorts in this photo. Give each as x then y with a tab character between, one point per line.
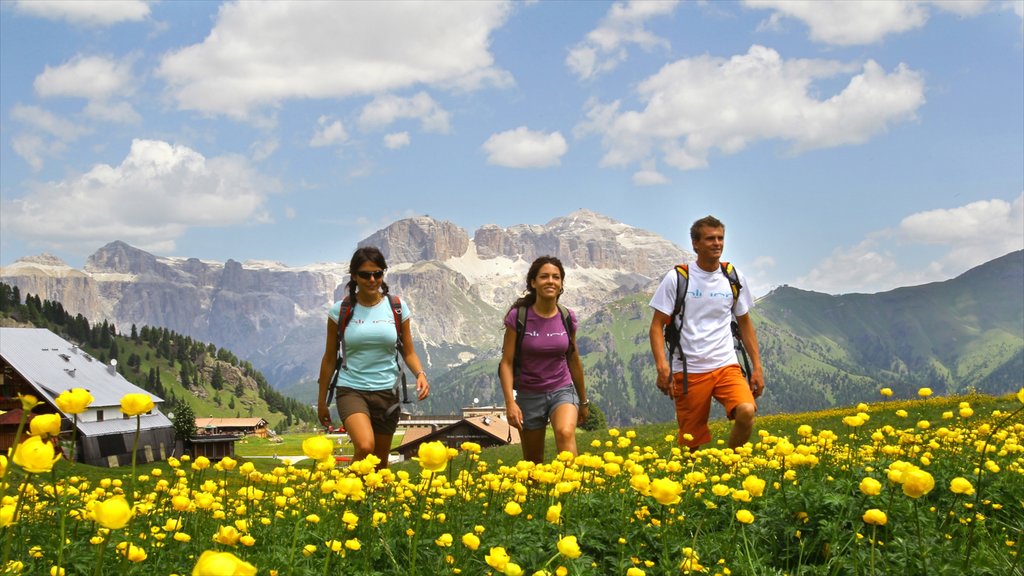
726	384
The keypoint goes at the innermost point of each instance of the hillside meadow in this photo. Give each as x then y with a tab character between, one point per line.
930	486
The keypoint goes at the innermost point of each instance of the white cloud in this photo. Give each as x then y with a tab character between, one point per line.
847	22
90	77
86	12
605	47
1017	6
121	112
386	109
48	134
649	175
263	149
696	105
524	148
397	140
150	199
857	22
970	235
328	133
262	53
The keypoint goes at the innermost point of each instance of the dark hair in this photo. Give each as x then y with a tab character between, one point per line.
705	222
362	256
530	298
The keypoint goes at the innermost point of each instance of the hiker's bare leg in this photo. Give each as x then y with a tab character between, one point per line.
742	425
563	422
533	444
382	449
360	431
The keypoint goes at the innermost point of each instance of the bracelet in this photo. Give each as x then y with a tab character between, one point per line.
421	373
585	403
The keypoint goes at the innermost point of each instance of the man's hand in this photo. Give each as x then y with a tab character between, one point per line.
664	380
757	383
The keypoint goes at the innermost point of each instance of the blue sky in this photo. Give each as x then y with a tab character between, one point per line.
848	146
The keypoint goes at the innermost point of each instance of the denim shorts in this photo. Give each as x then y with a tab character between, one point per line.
537	408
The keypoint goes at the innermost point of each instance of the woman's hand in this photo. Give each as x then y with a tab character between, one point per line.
324	414
514	416
422	386
582	414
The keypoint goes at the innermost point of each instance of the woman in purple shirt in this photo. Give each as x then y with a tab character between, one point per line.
546	381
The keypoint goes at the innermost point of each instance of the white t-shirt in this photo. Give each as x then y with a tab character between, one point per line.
705	336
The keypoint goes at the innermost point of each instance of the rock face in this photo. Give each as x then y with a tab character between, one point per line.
422	238
274	315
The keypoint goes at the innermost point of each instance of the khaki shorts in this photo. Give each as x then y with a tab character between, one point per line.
726	384
376	404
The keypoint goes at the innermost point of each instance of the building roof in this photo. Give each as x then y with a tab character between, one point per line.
230	422
495	426
52	365
123	425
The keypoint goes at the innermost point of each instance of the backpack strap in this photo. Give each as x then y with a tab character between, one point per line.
569	330
671	330
734	280
396	310
734	283
344	317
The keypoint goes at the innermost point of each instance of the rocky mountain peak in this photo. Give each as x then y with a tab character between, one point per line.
121	258
421	238
43	259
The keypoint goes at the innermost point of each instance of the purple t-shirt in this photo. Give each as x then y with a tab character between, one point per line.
542	364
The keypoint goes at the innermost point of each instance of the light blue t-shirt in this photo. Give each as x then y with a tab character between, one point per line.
370	346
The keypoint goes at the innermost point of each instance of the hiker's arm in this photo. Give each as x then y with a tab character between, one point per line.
413	362
508	351
326	371
749	337
658	350
576	370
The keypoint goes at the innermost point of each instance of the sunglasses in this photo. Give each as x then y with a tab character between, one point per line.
366	275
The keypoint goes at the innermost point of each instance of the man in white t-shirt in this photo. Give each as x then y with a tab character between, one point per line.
706	343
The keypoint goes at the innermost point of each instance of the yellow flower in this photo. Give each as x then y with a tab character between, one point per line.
870	486
74	401
513	569
308	550
318	447
45	425
133	552
471	447
1020	395
444	540
113	513
634	571
886	392
35	456
924	392
227	535
745	516
28	401
471	541
569	547
666	491
513	508
961	486
917	483
222	564
433	456
554	514
498	558
754	485
136	404
875	517
353	544
7	515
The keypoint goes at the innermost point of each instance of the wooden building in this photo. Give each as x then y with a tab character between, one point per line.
38	362
486	431
233	426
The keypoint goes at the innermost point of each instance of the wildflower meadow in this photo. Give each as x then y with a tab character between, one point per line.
881	493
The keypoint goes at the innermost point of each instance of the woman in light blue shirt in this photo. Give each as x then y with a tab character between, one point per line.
368	371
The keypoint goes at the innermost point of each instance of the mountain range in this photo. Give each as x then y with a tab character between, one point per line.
819	350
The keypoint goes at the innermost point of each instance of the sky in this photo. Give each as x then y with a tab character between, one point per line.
848	146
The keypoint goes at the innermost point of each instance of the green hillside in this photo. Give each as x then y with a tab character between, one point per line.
818	350
211	380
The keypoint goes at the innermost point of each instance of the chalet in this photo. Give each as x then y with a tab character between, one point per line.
233	426
486	431
38	362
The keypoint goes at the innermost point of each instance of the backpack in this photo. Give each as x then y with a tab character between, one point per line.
521	313
344	317
672	332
